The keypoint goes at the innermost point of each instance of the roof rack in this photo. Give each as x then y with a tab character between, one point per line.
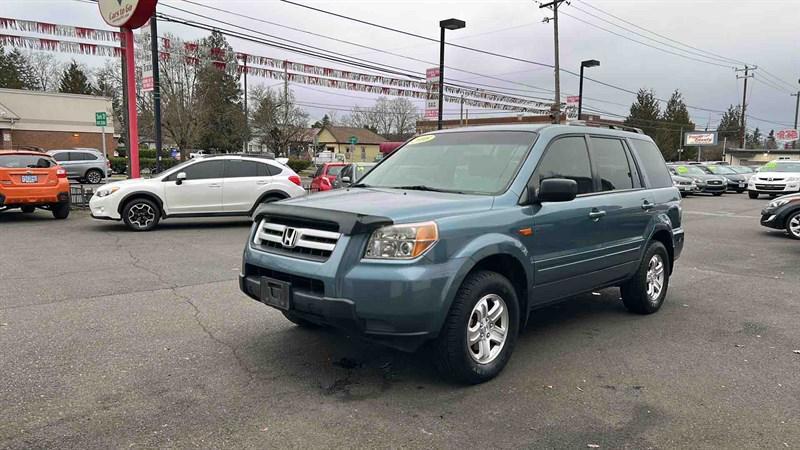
611	126
266	155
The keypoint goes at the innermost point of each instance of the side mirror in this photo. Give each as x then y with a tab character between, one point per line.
345	179
179	178
556	190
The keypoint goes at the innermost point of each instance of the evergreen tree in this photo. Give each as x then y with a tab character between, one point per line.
730	125
15	71
675	118
645	113
772	144
322	123
75	81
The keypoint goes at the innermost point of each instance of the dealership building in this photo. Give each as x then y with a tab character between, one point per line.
47	121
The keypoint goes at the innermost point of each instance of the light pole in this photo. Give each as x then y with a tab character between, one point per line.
449	24
587	63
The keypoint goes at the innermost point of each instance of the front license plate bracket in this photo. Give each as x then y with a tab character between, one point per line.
276	293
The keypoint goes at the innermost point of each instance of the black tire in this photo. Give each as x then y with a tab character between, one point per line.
60	210
718	194
302	323
141	214
635	294
454	356
28	209
753	195
793	221
94	176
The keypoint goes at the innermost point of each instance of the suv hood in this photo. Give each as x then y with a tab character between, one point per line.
378	206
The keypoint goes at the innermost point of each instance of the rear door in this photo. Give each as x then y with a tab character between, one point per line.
627	205
244	181
200	192
81	162
568	241
64	161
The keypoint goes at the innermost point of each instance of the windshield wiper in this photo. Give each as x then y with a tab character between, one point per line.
422	187
359	185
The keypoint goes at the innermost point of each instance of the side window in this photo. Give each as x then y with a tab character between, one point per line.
82	156
204	170
61	156
268	170
652	163
235	168
611	164
567	158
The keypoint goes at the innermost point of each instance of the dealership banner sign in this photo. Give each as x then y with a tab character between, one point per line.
788	135
700	138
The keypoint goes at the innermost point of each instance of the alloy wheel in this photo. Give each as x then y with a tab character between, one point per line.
141	215
94	177
655	278
794	225
487	328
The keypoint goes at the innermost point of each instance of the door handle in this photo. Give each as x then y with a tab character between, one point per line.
261	183
214	185
596	215
647	206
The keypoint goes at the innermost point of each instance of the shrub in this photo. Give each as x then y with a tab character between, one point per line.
120	165
298	165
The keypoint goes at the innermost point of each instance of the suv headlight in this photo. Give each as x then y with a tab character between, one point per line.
105	192
406	241
777	203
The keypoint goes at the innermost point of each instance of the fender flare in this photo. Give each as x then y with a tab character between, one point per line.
149	195
270	193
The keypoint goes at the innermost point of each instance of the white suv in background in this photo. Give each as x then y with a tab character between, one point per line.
225	185
775	178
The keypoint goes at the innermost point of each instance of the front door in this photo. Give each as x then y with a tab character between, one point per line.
199	193
568	237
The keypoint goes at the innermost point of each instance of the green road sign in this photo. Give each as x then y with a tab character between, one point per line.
100	119
353	140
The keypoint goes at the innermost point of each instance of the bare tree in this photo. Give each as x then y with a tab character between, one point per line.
277	120
179	102
394	118
46	70
405	116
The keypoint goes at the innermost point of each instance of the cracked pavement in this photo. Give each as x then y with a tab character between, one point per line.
113	339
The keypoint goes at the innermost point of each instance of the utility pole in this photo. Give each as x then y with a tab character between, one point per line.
461	120
556	108
747	74
246	111
796	110
155	55
286	100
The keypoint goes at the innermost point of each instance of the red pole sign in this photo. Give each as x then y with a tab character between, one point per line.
128	15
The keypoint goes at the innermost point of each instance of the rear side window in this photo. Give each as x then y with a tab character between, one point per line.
567	158
61	156
26	161
653	165
239	169
612	165
268	170
82	156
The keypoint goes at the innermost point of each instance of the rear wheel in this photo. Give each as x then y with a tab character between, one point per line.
28	209
480	330
60	210
141	214
753	195
645	292
793	225
94	176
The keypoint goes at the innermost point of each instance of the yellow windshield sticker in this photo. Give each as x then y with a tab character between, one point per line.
422	139
682	169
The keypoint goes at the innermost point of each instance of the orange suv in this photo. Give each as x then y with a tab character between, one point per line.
30	180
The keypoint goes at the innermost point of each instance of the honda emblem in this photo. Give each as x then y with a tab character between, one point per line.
290	236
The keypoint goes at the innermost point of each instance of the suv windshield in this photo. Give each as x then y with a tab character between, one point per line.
781	167
688	170
475	162
720	170
26	161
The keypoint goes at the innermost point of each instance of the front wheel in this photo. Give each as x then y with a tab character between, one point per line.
141	214
753	195
480	330
645	292
793	225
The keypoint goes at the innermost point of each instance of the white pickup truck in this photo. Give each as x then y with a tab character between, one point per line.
326	157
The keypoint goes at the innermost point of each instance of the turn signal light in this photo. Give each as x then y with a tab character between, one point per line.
296	180
61	173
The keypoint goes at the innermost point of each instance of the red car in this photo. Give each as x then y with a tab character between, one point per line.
325	176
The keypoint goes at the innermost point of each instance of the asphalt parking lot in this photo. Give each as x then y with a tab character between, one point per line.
112	339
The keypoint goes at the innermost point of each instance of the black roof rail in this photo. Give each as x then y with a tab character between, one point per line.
266	155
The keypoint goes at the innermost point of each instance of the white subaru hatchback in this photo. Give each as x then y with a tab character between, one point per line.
225	185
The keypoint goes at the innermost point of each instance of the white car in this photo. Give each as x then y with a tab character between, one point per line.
197	154
225	185
775	178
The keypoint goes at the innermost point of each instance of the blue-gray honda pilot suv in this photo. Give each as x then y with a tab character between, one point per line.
459	234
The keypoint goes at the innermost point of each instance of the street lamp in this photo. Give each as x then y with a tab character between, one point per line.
587	63
449	24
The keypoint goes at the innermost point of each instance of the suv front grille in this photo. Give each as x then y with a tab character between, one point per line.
307	243
715	182
770	187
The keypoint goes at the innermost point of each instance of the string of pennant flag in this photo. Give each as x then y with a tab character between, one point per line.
261	66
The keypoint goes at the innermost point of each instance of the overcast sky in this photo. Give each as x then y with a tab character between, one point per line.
762	32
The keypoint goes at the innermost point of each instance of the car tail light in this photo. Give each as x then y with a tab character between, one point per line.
61	173
296	180
108	163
